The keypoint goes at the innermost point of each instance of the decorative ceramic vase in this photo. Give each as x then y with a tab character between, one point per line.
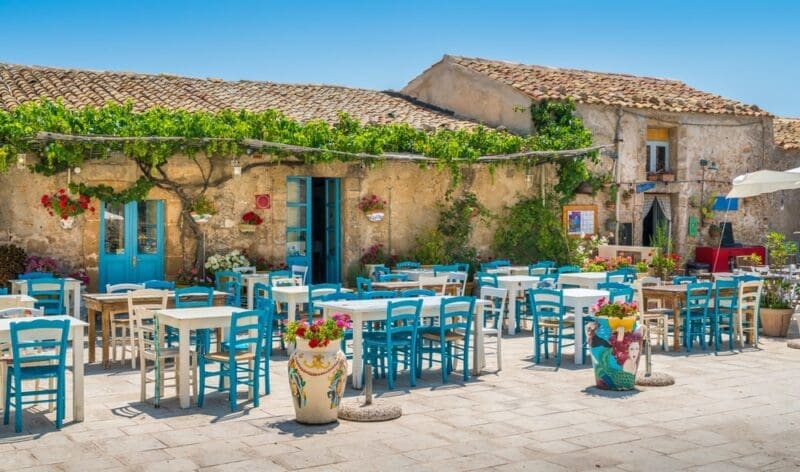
374	216
245	228
317	378
67	222
200	217
615	345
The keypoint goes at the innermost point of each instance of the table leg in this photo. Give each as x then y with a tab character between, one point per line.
579	333
358	355
77	373
479	356
76	301
250	283
512	311
676	333
92	333
183	361
105	328
291	311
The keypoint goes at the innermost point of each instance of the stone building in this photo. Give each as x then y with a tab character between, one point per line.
662	131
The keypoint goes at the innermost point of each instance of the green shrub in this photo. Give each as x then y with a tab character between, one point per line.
430	248
532	230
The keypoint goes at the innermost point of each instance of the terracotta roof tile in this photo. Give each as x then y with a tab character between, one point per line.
549	83
79	88
787	132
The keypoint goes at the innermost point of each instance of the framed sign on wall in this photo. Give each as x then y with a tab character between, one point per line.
580	219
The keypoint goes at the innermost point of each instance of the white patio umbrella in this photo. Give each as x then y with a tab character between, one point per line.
764	181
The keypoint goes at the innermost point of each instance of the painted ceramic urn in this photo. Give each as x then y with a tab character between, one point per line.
317	377
615	345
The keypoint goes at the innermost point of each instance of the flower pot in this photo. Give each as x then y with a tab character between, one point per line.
615	346
245	228
200	217
652	177
374	216
775	321
67	223
668	177
317	378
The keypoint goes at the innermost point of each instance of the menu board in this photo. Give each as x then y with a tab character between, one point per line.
580	219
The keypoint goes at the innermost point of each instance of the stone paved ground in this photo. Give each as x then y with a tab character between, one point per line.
734	411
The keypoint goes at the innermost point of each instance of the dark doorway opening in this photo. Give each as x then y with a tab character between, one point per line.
651	221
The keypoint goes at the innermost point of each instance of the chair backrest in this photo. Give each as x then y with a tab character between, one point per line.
487	266
234	290
402	319
540	268
378	270
502	263
459	278
455	313
726	292
485	279
35	275
440	269
462	267
377	294
747	278
317	291
123	288
496	302
407	265
150	298
39	340
222	277
248	332
620	275
393	278
245	269
684	279
548	281
568	269
49	295
545	302
160	284
196	296
417	292
621	294
611	285
698	295
438	282
300	272
649	281
749	296
549	264
20	312
363	284
262	296
336	296
282	278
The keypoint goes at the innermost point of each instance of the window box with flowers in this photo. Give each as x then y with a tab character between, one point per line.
373	207
66	208
615	343
250	221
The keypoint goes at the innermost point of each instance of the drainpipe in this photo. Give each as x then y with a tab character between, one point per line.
617	141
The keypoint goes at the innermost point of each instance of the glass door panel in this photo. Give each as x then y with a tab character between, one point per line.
298	222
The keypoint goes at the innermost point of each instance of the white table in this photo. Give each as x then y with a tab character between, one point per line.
515	284
583	279
185	320
72	294
375	310
76	335
580	298
13	301
510	270
293	295
415	274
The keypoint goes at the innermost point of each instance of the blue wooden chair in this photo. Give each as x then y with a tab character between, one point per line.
38	349
621	276
49	294
540	268
486	279
451	338
3	290
462	267
281	277
549	321
262	300
726	296
417	292
160	284
695	313
363	284
300	272
247	334
407	265
378	271
502	263
398	338
487	266
568	269
442	269
393	278
234	291
316	292
378	294
684	279
191	297
620	294
222	283
35	275
548	281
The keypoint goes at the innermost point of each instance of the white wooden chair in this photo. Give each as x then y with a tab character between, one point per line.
494	306
147	298
459	278
655	319
120	322
746	319
438	284
301	272
245	270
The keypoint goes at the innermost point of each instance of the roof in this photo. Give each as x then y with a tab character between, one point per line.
599	88
786	132
80	88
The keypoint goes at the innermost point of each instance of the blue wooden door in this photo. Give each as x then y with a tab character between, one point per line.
131	242
298	222
333	271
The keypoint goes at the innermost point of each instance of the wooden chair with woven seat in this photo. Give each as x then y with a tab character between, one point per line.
121	323
550	318
150	298
5	347
654	318
747	308
450	339
494	307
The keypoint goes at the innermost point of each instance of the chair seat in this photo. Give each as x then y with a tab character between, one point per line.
449	336
37	372
226	346
224	356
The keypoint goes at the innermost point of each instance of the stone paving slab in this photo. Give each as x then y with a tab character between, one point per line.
732	411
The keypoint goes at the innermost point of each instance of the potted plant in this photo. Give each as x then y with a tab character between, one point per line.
373	257
317	368
663	264
776	307
373	207
66	208
611	201
714	231
778	249
250	221
615	343
227	261
202	210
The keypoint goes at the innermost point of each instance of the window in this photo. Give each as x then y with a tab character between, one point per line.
657	156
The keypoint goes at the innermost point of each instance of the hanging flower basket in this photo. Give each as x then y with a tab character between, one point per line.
200	218
67	223
374	216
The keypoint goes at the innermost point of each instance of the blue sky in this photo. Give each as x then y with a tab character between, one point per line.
749	51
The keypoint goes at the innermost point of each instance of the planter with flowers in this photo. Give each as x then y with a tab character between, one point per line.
66	208
317	368
373	207
250	221
42	264
663	264
615	343
202	210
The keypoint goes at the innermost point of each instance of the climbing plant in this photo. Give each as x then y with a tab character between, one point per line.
532	230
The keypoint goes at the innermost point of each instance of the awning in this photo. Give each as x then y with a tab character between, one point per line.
764	181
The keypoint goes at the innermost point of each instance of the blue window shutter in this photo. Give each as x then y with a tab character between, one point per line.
726	204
